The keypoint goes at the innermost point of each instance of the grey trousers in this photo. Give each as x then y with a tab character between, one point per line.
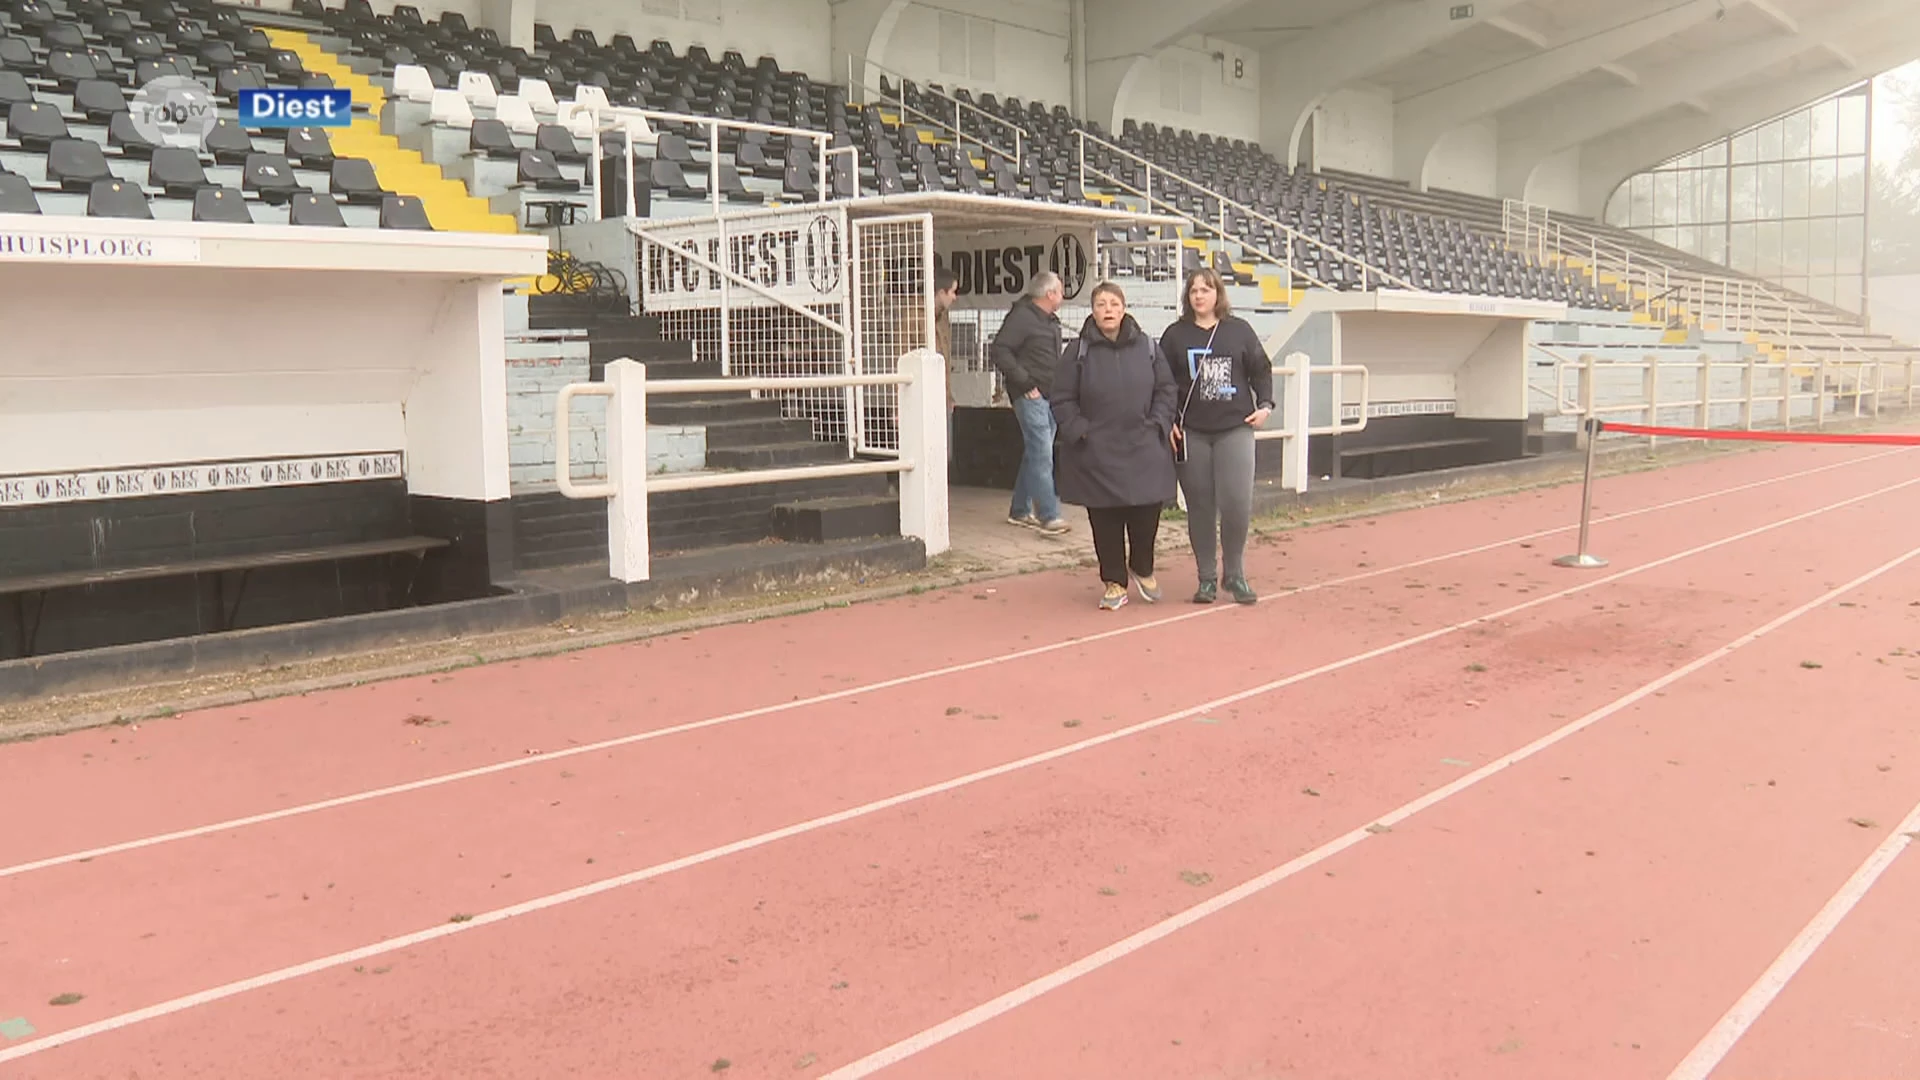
1218	482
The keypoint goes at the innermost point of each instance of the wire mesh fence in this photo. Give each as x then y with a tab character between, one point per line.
893	296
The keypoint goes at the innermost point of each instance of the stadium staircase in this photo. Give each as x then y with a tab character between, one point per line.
447	202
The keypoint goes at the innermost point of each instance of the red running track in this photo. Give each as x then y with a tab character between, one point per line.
993	832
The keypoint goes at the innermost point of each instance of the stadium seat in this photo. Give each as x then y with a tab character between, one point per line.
321	211
309	148
35	125
76	164
13	88
229	143
221	204
177	172
404	212
491	139
16	195
354	180
538	168
98	100
117	199
272	176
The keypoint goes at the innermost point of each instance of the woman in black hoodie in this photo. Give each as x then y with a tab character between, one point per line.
1113	401
1226	392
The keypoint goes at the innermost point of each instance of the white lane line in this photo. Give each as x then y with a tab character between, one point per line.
1125	947
581	892
838	695
1718	1043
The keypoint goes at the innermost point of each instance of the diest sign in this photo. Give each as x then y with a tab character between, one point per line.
994	269
797	258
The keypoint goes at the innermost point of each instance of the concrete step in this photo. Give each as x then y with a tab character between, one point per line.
775	455
817	521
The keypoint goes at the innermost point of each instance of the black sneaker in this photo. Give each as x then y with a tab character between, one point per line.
1242	592
1205	594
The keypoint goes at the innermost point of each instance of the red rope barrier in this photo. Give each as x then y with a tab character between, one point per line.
1764	436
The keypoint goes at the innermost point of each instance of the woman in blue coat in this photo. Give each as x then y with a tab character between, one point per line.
1114	401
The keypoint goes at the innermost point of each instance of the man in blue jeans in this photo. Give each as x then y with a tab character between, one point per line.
1025	351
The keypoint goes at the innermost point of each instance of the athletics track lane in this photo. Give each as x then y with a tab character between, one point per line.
1590	912
1200	764
264	757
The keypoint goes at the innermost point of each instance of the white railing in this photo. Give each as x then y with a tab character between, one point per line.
636	125
1779	384
921	465
1371	277
957	112
1665	293
1294	377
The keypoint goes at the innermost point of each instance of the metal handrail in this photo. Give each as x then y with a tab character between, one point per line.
712	125
961	109
1292	235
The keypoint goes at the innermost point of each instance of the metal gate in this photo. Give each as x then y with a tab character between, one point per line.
795	292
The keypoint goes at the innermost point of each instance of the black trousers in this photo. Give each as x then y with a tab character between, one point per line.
1123	539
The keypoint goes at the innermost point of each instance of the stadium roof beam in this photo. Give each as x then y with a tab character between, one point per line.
1531	134
1610	161
1420	122
1297	76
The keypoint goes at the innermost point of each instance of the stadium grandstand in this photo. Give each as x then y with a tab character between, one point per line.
1540	177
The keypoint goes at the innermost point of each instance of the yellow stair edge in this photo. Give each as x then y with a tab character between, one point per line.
1674	337
449	206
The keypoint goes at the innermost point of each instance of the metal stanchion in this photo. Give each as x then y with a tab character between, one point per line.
1585	560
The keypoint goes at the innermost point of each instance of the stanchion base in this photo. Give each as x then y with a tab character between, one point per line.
1581	562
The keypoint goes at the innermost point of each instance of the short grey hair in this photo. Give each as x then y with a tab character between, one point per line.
1043	283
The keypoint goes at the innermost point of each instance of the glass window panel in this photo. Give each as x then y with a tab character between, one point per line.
1617	207
1822	236
1771	141
1796	136
1826	129
1768	205
1853	185
1766	249
1687	238
1746	147
1794	253
1826	188
1714	155
1716	243
1821	289
1715	208
1846	293
1853	124
1641	207
1745	248
1849	241
1746	193
1665	193
1794	199
1666	235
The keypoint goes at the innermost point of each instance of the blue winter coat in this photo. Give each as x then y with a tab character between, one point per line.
1114	403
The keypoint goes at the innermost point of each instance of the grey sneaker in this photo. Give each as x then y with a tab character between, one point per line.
1056	527
1025	521
1149	588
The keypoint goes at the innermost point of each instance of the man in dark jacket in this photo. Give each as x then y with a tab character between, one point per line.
1025	350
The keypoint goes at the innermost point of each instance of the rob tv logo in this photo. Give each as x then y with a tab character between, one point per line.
281	108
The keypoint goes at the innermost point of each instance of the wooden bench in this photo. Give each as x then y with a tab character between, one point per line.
38	585
1367	460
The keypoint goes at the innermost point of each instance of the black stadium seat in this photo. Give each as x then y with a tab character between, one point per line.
404	212
76	164
538	168
310	148
14	89
308	208
16	195
221	204
98	100
354	180
117	199
272	176
35	125
177	172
